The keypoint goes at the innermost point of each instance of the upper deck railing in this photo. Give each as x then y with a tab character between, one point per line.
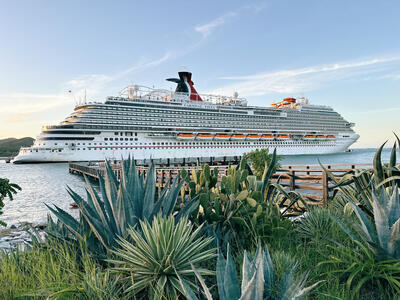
137	93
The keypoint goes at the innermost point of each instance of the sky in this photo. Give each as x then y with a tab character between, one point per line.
345	54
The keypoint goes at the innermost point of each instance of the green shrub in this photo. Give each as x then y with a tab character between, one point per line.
7	189
161	258
259	159
102	220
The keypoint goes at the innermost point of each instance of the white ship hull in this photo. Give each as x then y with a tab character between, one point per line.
179	152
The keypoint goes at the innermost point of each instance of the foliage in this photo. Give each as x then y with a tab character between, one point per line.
121	205
242	209
259	279
202	181
260	158
37	272
7	189
377	256
11	146
357	185
160	259
315	224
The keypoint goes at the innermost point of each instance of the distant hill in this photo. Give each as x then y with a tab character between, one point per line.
10	146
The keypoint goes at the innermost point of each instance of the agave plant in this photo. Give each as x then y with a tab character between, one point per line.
259	279
161	258
315	224
382	234
357	185
121	205
376	257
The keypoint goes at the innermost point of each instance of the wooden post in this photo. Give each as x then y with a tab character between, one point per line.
308	167
292	181
325	192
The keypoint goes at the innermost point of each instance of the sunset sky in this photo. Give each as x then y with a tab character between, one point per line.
345	54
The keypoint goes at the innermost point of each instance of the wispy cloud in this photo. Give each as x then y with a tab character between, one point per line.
305	79
208	28
94	84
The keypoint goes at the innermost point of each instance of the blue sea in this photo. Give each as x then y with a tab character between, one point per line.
46	183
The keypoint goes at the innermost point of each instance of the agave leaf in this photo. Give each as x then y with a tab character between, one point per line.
378	168
67	219
394	240
381	221
392	161
150	189
268	173
394	206
365	223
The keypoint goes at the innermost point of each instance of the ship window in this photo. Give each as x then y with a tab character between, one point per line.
131	139
126	139
66	143
106	139
115	133
79	148
111	139
78	143
135	139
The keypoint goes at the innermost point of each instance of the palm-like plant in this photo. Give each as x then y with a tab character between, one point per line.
160	257
7	189
259	279
122	204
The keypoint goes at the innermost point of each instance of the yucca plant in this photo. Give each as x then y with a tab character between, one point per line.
122	204
259	279
160	258
315	224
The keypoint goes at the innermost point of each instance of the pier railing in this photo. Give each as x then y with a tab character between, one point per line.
311	181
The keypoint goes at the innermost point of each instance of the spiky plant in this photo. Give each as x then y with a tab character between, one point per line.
259	279
160	259
376	257
315	224
120	205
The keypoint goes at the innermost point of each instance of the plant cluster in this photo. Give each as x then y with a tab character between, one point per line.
7	189
134	242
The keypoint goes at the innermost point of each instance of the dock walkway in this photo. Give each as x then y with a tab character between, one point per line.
310	180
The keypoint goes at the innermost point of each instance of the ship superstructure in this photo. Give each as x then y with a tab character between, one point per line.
153	124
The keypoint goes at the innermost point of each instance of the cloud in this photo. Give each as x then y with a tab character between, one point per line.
94	84
208	28
304	79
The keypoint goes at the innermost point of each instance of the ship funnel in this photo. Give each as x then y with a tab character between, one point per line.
185	85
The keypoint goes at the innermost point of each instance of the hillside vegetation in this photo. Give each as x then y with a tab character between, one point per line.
10	146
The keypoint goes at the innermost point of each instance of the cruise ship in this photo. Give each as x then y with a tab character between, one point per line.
154	124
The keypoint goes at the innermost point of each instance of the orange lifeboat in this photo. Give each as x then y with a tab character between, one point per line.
253	136
321	137
331	137
204	136
185	136
283	136
222	136
309	137
238	136
267	136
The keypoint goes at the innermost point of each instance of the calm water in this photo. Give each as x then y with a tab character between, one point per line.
46	183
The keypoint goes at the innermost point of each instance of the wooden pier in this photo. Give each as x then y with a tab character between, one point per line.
310	180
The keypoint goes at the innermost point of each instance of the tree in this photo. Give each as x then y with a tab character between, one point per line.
7	189
258	159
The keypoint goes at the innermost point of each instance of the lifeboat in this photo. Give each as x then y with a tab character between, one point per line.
267	136
321	137
185	136
237	136
310	137
222	136
204	136
331	137
253	136
283	136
